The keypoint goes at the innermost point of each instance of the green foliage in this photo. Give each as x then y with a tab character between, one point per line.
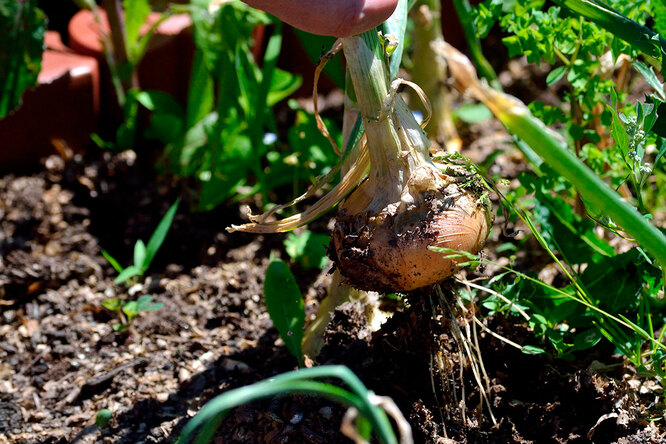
285	306
128	311
144	254
225	137
473	113
308	249
372	418
316	45
608	295
22	28
605	296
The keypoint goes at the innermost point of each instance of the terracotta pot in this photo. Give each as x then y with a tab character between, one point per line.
60	111
165	67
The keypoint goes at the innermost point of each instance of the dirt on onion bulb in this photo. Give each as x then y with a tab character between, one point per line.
389	250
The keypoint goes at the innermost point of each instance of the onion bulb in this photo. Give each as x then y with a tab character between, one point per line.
386	228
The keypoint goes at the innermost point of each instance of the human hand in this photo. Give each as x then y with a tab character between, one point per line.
340	18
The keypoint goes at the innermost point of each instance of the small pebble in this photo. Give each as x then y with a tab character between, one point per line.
184	374
326	412
298	417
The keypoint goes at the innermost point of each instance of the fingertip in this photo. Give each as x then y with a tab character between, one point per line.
372	13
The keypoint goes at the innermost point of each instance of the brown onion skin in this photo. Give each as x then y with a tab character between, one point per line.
387	253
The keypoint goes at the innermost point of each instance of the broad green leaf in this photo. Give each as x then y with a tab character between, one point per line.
160	102
153	307
651	78
283	84
586	339
22	28
120	327
315	46
396	25
285	306
473	113
618	133
556	74
568	233
616	281
167	128
201	94
131	309
138	49
145	304
532	350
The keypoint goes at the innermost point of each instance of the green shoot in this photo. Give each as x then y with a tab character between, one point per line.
102	418
128	311
144	255
302	381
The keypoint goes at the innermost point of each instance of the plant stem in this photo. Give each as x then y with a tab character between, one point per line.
369	75
115	15
429	73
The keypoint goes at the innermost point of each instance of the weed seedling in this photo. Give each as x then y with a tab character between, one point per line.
144	254
128	311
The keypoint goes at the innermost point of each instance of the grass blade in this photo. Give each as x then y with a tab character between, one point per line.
160	233
299	381
396	25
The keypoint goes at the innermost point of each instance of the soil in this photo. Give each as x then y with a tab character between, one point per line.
61	360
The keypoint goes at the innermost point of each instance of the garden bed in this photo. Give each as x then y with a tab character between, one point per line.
61	361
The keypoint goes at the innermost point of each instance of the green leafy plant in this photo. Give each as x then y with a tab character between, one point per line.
284	303
144	254
128	311
22	28
610	295
368	411
589	42
308	249
225	137
124	47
